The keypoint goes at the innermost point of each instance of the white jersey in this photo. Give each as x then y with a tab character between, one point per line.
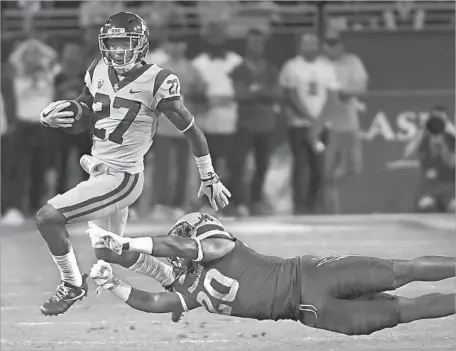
125	112
312	80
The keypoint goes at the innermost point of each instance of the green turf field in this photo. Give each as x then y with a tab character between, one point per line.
28	276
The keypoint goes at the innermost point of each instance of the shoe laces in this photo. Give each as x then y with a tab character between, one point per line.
61	292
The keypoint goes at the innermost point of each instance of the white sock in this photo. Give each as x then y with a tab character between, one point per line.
154	268
68	266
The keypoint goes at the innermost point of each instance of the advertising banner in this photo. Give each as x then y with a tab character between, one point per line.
389	181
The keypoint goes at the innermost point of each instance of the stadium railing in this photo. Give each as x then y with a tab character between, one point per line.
439	14
283	19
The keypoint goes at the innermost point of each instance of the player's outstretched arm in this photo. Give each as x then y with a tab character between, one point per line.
140	300
211	186
205	250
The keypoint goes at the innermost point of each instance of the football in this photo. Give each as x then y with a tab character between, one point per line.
82	116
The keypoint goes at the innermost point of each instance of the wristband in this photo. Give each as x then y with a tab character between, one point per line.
142	245
121	290
204	164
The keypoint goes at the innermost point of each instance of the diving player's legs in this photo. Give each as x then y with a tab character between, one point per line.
94	198
368	314
423	269
352	276
428	306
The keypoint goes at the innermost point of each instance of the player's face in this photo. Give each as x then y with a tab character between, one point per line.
256	44
121	50
309	46
333	48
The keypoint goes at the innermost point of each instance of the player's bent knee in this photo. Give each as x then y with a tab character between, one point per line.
49	216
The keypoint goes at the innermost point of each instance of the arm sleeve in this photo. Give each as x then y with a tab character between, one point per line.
360	70
166	87
287	78
88	78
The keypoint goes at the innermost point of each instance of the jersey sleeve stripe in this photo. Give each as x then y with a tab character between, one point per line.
214	234
171	98
182	300
160	78
91	69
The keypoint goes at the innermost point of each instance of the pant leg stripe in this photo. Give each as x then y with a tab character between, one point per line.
103	205
94	200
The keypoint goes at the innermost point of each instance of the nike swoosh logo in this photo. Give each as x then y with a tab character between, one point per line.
134	91
47	114
77	297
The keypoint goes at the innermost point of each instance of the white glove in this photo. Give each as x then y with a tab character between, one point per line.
215	191
52	117
319	147
101	273
102	238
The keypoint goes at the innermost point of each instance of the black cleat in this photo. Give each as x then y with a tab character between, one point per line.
64	297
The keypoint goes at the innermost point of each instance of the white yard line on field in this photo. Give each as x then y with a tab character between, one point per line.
113	342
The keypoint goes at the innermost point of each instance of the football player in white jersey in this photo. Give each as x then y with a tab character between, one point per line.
127	97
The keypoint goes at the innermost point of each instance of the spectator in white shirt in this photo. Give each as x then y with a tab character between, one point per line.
344	149
215	65
308	82
33	63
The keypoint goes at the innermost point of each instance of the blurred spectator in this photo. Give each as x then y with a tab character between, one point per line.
215	65
308	82
157	53
404	14
256	87
11	205
160	16
68	84
436	152
217	11
343	157
92	15
97	12
171	150
33	69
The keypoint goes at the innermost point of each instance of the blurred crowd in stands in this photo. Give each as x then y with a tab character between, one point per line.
250	105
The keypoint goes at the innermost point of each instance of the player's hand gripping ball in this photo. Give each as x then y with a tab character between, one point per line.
72	116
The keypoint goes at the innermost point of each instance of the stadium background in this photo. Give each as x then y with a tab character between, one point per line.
409	72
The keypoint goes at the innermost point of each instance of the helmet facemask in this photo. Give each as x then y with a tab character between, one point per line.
183	229
123	50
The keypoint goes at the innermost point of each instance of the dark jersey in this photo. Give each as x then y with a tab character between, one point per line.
243	283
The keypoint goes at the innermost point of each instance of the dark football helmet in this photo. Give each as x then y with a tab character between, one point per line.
123	41
187	226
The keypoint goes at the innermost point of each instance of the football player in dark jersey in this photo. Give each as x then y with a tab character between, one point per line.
212	268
